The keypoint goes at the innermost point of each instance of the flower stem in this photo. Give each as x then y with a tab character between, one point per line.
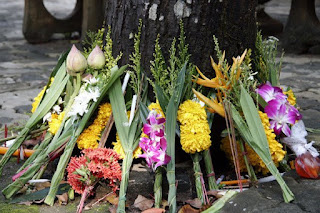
84	196
209	169
250	170
197	175
126	165
157	188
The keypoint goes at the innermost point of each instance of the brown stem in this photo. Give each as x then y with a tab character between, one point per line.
106	132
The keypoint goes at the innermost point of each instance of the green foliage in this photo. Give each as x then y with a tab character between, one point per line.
166	76
135	59
158	69
265	60
102	38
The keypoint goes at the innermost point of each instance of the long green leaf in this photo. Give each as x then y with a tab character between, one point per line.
120	113
163	100
258	140
170	129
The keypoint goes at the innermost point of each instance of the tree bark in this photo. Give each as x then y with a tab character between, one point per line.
232	22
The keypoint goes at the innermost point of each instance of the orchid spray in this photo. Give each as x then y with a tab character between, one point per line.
154	146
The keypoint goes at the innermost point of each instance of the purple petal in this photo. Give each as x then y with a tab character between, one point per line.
147	128
286	130
163	143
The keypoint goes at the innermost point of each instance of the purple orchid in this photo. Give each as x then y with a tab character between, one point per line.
268	92
280	117
155	146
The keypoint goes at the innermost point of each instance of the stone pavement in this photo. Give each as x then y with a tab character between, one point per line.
24	70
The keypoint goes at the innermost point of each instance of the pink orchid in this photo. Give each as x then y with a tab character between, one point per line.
280	117
268	92
154	147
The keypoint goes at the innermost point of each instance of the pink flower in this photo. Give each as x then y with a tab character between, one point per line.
268	92
280	117
155	146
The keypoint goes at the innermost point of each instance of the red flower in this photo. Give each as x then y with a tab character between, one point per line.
97	164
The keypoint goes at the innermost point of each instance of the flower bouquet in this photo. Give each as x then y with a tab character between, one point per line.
81	82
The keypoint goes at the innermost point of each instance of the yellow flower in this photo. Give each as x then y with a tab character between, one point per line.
222	82
36	100
117	147
276	151
291	97
156	106
89	137
55	122
194	128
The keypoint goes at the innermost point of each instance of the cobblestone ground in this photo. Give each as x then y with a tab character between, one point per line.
24	70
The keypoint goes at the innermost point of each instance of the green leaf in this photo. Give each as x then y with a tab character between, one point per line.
163	100
120	113
253	120
39	195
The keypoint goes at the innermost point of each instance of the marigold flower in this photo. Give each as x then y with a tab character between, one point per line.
36	100
291	97
89	137
276	149
55	122
194	128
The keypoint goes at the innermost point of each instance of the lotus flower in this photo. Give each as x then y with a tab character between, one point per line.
96	58
76	62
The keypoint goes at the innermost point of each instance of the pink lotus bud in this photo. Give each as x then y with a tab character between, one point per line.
76	62
96	59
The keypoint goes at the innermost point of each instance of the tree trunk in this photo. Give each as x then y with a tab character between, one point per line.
302	30
232	22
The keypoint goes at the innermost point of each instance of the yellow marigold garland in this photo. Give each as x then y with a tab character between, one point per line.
36	100
291	97
90	136
55	122
276	151
194	128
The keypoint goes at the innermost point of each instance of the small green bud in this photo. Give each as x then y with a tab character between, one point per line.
71	194
96	59
76	62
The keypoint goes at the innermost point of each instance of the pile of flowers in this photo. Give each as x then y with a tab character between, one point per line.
94	165
285	119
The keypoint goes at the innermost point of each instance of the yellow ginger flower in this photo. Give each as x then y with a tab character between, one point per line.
291	97
90	136
117	147
36	100
276	151
55	122
194	128
222	82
